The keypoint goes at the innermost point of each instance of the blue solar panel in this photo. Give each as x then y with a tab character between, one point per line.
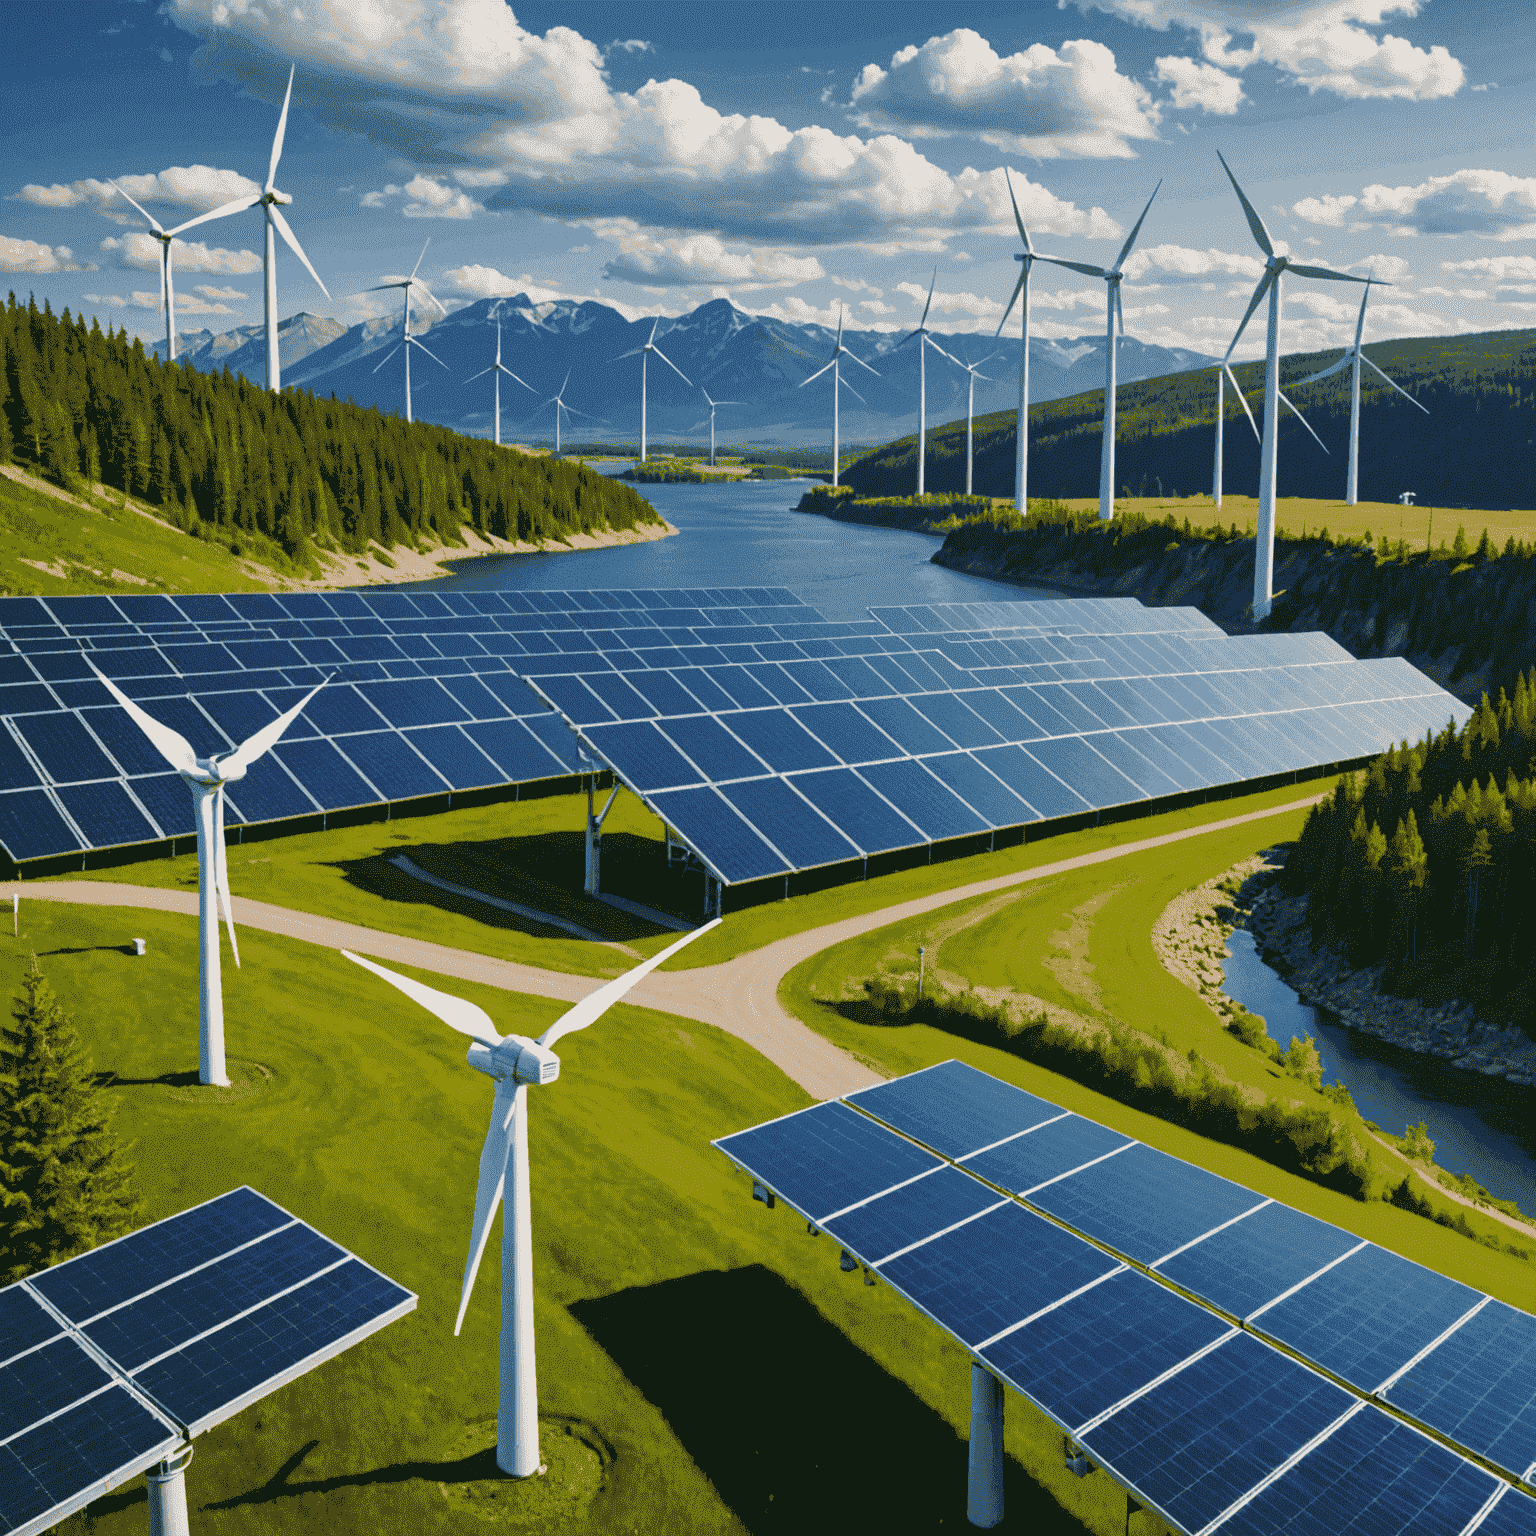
165	797
663	692
1198	1442
64	747
1074	762
571	696
798	831
642	755
105	814
963	726
31	826
1035	784
856	810
1054	1149
1152	781
750	688
413	703
706	821
710	745
824	1159
24	1323
982	790
389	763
1479	1387
268	793
847	733
932	808
907	1215
454	756
1158	753
955	1108
779	739
1368	1316
1513	1515
15	771
44	1381
327	776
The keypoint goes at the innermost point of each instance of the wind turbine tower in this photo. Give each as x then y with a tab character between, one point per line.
970	401
926	341
714	405
408	341
206	778
515	1063
268	200
1275	265
558	401
644	353
838	385
496	370
167	285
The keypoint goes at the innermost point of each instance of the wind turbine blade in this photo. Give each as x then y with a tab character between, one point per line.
430	353
1119	309
417	268
1302	419
171	745
942	353
223	211
1244	399
471	379
852	391
380	287
651	341
924	321
526	385
1076	266
165	256
838	344
816	375
391	353
622	355
282	129
1253	304
1255	223
1023	233
1326	373
570	410
221	874
673	366
1130	240
431	296
1328	272
860	361
1398	387
295	247
595	1004
904	340
489	1187
266	738
153	222
455	1012
1018	288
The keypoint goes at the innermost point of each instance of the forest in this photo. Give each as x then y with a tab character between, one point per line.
1473	449
225	459
1426	862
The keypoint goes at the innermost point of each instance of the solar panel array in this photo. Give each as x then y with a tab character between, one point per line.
980	1212
108	1362
770	738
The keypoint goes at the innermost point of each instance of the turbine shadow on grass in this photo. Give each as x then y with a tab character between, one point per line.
797	1428
92	949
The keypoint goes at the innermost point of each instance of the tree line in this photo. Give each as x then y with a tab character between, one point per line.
226	459
1427	860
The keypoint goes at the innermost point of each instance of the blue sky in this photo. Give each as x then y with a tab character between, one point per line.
790	157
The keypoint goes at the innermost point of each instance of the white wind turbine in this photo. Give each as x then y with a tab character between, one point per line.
408	341
970	400
206	778
1028	257
1274	265
515	1063
167	285
1225	376
558	401
267	200
714	405
838	385
643	353
1352	359
922	379
496	369
1111	276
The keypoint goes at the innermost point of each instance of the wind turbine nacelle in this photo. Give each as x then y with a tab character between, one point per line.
518	1058
279	197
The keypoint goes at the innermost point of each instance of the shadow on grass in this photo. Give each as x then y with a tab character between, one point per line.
91	949
797	1428
165	1080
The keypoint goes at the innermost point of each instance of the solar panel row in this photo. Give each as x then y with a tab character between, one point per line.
1207	1422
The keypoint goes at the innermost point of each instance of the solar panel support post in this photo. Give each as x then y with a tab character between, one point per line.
593	881
984	1495
167	1485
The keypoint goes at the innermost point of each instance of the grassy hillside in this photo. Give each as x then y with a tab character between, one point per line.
1472	450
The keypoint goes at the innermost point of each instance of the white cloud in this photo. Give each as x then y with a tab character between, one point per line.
107	300
477	282
1327	209
28	256
208	291
432	200
1180	263
970	306
1499	269
877	307
192	186
1201	85
1067	298
1042	102
1325	45
796	311
1490	203
186	304
478	91
142	251
632	45
1384	268
961	256
1435	291
858	285
677	261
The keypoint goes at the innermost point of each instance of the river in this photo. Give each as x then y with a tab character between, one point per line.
747	534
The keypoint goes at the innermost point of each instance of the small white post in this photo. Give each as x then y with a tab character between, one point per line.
919	973
984	1501
168	1495
15	912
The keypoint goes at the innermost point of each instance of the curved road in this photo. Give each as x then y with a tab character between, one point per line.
740	996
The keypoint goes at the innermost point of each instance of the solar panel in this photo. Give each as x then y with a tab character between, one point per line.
111	1361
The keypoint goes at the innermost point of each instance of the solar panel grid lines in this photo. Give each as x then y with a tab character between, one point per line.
1050	1306
1231	1221
1383	1387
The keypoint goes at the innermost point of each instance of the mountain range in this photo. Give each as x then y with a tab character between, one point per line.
757	360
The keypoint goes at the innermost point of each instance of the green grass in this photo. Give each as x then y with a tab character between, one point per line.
730	1377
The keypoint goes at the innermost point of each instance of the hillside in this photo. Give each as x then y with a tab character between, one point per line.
1474	449
755	360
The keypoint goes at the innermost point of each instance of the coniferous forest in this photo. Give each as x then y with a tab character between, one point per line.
220	456
1427	861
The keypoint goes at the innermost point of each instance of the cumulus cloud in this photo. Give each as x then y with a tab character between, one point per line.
29	256
478	91
1500	269
1043	102
858	285
109	300
191	186
682	260
208	291
1333	45
477	282
1490	203
1384	268
429	197
1201	85
142	251
186	304
969	306
1325	210
1178	263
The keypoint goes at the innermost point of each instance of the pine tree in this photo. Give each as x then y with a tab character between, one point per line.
65	1183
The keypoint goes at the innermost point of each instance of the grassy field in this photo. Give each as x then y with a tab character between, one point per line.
718	1373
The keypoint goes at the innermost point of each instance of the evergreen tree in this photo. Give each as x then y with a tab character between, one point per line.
65	1183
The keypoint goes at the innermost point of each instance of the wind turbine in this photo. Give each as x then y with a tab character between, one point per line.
267	200
644	354
206	778
970	401
1274	266
1111	276
922	379
1224	376
558	401
515	1063
496	369
1021	443
408	341
167	286
1353	357
838	349
713	406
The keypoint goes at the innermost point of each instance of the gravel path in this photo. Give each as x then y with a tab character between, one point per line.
740	996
